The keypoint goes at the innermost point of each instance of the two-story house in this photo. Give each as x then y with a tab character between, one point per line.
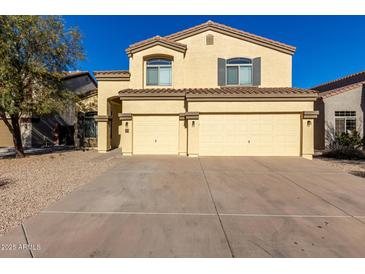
210	90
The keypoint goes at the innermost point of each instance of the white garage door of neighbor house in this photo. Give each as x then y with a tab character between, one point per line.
155	134
249	135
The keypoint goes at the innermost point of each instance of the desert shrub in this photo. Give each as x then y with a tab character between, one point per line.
347	145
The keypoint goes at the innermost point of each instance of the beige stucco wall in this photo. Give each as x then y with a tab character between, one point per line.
126	134
198	67
250	106
307	138
137	66
154	107
107	91
193	137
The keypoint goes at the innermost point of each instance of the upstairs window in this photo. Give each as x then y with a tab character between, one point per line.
239	71
345	121
159	72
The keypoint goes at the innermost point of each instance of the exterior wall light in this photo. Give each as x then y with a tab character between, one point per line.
309	123
126	124
193	123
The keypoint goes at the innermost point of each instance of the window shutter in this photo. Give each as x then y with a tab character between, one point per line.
221	72
256	75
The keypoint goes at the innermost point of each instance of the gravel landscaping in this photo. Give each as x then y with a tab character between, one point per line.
354	167
28	185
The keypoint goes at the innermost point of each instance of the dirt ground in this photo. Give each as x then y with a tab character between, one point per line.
354	167
28	185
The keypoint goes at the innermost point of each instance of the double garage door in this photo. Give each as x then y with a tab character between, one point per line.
222	134
249	135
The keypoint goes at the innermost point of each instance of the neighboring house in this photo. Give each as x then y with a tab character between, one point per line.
341	106
206	91
75	124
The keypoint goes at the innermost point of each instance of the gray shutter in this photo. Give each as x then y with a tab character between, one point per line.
256	73
221	72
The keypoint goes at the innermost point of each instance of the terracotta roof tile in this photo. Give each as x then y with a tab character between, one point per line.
112	75
112	72
356	78
217	26
221	92
172	39
157	40
332	92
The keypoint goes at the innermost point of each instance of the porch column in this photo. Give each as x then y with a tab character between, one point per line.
126	133
103	132
308	133
193	133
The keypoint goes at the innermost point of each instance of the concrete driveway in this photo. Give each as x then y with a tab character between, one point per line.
203	207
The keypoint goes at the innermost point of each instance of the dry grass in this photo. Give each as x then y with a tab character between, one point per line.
28	185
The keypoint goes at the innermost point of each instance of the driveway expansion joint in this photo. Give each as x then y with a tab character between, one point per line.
216	210
323	199
26	240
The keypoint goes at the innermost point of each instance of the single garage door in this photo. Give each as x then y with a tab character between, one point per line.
6	139
155	134
249	135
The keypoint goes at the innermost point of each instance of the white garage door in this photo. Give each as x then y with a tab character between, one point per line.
155	134
249	135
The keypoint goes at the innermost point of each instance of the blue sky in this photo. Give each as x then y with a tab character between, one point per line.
328	47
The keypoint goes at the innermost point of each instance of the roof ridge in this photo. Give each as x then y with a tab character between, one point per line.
339	79
152	39
339	90
210	23
111	71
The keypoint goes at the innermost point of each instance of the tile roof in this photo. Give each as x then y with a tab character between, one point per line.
73	74
112	75
332	92
342	82
172	39
226	29
221	92
157	40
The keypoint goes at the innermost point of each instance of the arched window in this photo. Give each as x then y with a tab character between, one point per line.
159	72
239	71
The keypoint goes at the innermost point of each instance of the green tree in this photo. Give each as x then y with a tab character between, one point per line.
35	51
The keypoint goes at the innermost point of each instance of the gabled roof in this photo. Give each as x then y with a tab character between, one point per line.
240	34
332	92
222	92
341	85
172	39
112	75
155	41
